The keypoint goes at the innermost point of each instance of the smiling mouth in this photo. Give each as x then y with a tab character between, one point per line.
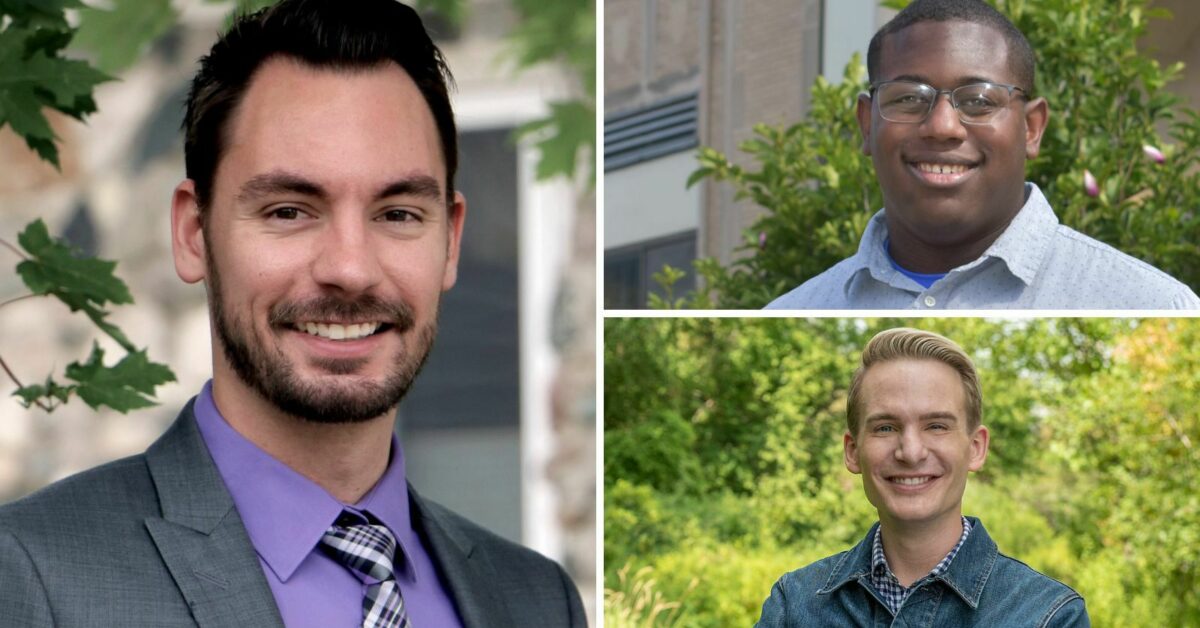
338	331
942	174
913	480
934	168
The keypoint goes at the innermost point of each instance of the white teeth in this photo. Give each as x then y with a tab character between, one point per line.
942	168
911	481
334	331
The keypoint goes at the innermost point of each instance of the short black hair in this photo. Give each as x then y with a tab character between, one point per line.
1020	54
334	34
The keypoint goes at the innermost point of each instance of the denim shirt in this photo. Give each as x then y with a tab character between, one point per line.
982	587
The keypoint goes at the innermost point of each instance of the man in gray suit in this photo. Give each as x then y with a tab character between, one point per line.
320	212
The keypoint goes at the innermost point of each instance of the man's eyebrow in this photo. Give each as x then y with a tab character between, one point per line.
962	80
928	416
278	183
420	185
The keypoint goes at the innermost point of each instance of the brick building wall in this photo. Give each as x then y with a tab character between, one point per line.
749	61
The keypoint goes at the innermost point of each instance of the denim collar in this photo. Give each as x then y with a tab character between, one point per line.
966	576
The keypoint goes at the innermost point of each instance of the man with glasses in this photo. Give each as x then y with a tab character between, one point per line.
961	227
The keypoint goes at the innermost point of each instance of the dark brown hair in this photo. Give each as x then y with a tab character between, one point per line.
334	34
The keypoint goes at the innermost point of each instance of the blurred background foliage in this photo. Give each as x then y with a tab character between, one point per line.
1107	101
723	467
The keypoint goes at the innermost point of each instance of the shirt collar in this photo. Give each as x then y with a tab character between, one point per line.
881	569
965	573
1028	238
872	259
1022	247
286	514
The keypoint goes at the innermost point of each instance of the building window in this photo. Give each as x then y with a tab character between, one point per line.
629	270
650	218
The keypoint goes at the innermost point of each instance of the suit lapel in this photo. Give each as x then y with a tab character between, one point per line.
468	574
201	537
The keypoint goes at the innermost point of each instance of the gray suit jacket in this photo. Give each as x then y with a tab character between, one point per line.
155	540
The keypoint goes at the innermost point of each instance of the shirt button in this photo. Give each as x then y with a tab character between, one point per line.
930	301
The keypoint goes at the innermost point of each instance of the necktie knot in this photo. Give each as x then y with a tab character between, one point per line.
367	550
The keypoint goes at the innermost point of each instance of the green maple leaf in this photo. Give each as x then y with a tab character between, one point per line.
38	12
119	36
570	126
51	390
125	386
84	284
34	77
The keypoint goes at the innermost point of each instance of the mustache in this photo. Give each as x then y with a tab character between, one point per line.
327	308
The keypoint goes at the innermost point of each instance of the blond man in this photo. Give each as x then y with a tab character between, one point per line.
913	432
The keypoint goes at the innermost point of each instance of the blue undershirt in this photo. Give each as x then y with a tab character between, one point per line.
925	279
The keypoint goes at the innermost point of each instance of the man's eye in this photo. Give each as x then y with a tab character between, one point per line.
978	103
398	215
884	428
285	213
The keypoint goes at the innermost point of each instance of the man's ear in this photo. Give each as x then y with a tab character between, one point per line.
187	234
456	215
863	113
979	448
850	453
1037	114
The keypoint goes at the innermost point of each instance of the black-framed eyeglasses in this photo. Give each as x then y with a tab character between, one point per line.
910	102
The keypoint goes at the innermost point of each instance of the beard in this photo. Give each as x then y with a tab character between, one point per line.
265	369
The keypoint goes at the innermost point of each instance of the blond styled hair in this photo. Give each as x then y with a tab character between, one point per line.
903	343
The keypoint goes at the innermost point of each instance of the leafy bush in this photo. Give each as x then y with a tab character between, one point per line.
657	453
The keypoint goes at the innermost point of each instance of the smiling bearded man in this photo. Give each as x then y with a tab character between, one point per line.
913	431
319	209
949	122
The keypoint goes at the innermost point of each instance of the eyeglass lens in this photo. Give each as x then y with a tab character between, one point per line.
901	101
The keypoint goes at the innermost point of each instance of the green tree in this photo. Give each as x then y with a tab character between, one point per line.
1111	117
37	74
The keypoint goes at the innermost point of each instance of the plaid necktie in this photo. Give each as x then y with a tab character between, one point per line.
367	549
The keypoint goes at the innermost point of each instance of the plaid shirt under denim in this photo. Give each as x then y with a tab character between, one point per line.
889	587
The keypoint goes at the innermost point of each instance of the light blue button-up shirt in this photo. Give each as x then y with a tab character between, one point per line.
1036	263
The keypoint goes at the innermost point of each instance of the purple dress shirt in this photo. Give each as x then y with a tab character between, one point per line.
286	514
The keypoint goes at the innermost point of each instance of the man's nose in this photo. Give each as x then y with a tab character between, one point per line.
911	447
943	121
346	259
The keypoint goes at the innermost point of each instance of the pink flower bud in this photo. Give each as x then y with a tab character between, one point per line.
1089	184
762	239
1154	153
